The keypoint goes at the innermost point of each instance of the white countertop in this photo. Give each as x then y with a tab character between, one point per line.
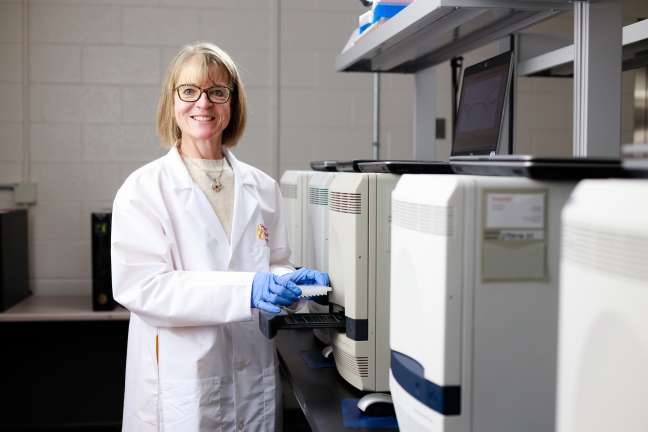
60	308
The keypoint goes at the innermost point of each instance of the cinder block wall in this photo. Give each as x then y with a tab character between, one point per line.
325	114
11	102
80	81
544	111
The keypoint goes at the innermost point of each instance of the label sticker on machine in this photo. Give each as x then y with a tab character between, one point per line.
510	234
513	235
515	210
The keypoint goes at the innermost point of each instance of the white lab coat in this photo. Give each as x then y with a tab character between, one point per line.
196	358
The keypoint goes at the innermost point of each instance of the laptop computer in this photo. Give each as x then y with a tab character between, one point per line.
479	123
477	147
480	113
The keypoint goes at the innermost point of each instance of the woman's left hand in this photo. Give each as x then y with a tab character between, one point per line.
307	276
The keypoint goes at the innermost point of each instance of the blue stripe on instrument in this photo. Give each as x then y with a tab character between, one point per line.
357	329
409	374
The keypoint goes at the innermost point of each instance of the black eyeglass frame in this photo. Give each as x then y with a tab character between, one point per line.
230	90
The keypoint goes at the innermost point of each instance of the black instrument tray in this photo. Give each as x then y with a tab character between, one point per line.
270	323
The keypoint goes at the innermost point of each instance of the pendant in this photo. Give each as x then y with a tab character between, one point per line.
217	186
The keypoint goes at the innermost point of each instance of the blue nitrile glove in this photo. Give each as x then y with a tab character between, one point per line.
306	276
269	292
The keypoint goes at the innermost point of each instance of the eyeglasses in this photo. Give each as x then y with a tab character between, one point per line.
191	93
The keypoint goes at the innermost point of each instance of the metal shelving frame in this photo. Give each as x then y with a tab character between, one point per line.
429	32
560	62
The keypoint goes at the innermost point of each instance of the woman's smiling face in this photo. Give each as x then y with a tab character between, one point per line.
201	120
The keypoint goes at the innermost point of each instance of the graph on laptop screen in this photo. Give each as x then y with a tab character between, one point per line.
481	106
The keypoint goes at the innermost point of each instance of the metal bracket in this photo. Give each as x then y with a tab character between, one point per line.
597	78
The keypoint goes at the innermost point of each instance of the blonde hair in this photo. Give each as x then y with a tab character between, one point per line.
208	54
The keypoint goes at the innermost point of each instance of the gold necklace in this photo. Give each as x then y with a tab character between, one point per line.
216	184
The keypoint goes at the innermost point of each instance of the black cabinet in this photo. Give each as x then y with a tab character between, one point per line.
62	375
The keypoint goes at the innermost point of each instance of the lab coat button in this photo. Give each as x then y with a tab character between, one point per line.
241	425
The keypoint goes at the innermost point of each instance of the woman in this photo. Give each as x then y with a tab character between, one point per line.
198	242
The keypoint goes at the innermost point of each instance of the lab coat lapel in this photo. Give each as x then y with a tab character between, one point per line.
245	200
195	203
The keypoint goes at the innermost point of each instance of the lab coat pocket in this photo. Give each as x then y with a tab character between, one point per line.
260	398
271	393
145	399
146	403
191	405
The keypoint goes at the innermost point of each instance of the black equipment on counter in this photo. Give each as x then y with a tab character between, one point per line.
102	298
14	274
384	166
405	167
325	165
538	167
339	166
270	323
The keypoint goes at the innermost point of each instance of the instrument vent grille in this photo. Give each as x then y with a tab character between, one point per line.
345	202
289	190
622	254
358	366
423	218
318	196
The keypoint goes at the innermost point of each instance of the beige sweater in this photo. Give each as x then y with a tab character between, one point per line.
203	172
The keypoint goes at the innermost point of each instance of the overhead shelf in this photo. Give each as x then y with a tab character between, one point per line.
428	32
560	62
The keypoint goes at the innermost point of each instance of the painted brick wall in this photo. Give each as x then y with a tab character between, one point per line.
11	102
80	82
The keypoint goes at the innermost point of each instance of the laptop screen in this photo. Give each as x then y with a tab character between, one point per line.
481	106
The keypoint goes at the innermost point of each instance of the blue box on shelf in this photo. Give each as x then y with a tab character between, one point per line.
386	10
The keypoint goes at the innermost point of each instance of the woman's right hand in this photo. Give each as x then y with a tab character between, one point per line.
269	292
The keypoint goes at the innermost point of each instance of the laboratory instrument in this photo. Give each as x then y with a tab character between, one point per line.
294	185
603	343
474	302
